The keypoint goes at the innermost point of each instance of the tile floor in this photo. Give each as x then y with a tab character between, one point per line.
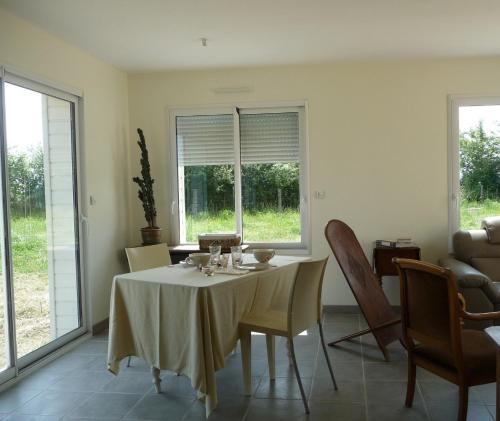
78	386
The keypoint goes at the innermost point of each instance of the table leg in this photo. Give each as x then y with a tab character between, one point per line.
156	378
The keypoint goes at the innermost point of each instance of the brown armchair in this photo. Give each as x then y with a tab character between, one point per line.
431	319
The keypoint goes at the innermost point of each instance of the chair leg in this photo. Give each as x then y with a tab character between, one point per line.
299	381
128	361
410	387
270	356
246	348
463	401
326	355
289	355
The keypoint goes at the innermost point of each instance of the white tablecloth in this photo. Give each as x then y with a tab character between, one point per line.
178	319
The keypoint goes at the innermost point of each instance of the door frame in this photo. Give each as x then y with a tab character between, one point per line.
454	104
12	76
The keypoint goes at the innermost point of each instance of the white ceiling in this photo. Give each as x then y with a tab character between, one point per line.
146	35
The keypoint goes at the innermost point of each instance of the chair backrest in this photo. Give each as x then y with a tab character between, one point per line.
304	308
430	308
147	257
363	282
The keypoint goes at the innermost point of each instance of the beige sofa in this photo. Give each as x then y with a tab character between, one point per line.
476	265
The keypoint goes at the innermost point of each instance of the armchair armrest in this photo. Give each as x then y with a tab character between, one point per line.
494	315
464	314
466	275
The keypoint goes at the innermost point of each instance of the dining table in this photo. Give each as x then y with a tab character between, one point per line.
176	318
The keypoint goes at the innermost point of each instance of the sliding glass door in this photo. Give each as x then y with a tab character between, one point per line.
39	151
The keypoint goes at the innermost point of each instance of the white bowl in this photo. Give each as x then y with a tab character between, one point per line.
198	259
263	255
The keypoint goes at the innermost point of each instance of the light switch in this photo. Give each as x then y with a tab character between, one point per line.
92	200
319	194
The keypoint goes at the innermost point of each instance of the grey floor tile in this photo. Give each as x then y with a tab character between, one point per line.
282	388
101	336
78	386
82	381
442	390
234	386
372	353
284	369
98	363
351	371
233	409
105	405
341	317
92	347
348	392
327	411
130	383
449	410
21	417
86	419
39	379
13	398
395	391
276	410
160	407
53	403
334	331
137	365
396	412
345	351
234	367
487	393
176	386
397	371
69	362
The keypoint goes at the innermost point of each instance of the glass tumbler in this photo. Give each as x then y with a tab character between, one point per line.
214	255
236	256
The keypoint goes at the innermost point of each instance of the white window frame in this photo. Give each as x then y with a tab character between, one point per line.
235	110
454	104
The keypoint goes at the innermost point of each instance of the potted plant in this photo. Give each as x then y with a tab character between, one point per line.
152	233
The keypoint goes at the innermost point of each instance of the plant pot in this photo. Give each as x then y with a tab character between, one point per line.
150	235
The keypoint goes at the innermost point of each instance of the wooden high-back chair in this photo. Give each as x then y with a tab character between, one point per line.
431	313
382	320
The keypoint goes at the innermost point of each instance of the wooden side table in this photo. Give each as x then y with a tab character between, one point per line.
382	259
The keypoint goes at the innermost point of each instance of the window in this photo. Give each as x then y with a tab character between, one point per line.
475	161
240	170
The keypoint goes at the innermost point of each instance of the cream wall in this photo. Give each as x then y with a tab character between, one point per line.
34	51
377	142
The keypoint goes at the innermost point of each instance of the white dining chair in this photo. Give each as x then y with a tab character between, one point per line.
304	310
147	257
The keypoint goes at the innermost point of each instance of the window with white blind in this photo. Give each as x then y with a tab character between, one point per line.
240	170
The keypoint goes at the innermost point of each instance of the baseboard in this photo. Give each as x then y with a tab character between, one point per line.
341	309
351	309
100	326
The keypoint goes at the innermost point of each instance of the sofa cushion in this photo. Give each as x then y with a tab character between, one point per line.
490	266
473	243
492	227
